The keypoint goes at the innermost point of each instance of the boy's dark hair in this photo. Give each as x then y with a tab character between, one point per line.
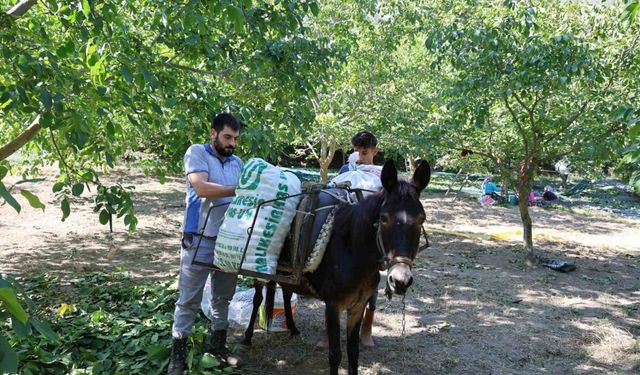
364	139
224	119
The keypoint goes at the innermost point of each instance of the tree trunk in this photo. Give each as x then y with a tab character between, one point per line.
24	137
527	233
524	189
327	150
410	163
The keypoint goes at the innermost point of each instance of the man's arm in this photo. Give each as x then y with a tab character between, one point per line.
206	189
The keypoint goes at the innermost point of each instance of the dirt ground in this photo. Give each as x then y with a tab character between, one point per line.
475	307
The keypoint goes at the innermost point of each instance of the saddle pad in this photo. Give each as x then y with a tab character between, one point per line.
312	246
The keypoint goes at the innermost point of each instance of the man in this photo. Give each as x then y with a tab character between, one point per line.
562	167
365	145
212	172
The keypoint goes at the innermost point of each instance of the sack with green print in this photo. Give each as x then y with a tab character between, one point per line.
259	182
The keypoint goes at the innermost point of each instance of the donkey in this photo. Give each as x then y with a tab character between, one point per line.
381	231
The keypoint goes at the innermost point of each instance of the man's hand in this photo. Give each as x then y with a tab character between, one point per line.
206	189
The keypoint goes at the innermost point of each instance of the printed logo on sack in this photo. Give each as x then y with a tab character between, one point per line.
251	172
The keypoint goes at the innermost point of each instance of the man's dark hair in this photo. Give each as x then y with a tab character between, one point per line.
225	119
364	139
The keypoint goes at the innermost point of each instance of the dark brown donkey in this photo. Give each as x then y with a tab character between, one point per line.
381	231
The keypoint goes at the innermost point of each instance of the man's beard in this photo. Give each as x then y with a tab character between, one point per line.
226	152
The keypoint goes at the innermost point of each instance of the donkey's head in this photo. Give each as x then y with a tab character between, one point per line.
400	224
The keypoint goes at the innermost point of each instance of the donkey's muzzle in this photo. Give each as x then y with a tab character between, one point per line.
399	278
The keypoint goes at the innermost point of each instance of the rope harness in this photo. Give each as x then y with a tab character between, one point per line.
384	260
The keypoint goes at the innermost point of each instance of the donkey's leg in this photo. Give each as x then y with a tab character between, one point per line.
332	317
354	320
269	302
288	314
257	300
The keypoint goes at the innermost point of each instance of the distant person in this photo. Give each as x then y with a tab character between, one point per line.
562	167
549	194
491	189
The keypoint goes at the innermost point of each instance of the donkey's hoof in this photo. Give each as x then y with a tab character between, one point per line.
246	342
295	332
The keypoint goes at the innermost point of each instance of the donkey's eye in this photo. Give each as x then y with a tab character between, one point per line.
384	218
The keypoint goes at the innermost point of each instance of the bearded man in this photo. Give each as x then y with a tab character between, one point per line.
212	173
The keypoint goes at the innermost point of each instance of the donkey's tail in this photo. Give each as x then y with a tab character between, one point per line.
269	302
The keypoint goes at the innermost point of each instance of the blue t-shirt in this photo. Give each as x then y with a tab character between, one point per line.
344	168
490	187
202	158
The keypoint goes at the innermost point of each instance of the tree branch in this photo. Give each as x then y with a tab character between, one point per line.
313	151
19	141
21	8
521	102
481	153
518	125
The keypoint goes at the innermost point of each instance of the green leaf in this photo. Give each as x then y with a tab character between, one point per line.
34	201
88	175
10	302
65	49
77	189
157	352
8	358
133	222
44	329
58	186
66	209
314	9
126	74
53	5
4	193
82	137
21	329
193	39
86	8
104	217
149	78
634	131
46	119
237	16
208	361
3	171
45	99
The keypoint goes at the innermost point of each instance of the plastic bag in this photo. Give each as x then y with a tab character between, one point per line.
239	308
362	177
486	201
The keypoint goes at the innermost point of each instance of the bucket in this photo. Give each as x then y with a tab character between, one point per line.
279	323
513	201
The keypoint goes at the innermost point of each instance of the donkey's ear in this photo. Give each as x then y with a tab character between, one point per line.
422	175
389	176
